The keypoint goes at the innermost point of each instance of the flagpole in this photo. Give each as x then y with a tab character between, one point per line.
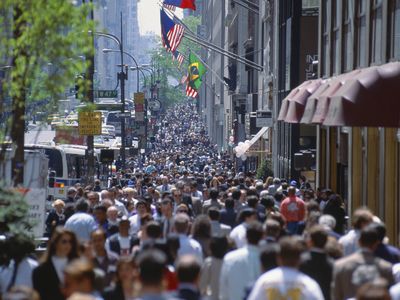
225	53
191	36
215	73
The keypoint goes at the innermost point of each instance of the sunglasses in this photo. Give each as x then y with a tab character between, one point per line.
183	211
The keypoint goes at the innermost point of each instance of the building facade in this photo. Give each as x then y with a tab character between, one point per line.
107	14
361	163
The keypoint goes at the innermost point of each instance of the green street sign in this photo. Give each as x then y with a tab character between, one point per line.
105	93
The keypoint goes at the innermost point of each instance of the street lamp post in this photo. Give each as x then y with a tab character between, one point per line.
122	76
134	60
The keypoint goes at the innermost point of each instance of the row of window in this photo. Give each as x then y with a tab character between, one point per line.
358	33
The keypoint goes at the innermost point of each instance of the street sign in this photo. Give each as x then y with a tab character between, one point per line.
154	105
105	94
139	98
89	123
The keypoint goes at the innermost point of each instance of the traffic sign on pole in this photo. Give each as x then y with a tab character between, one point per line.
105	93
89	123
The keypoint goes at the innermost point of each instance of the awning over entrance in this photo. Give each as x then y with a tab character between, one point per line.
363	97
293	105
371	98
243	147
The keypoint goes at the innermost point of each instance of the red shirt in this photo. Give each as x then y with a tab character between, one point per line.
293	209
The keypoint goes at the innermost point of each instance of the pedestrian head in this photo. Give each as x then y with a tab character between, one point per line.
369	237
82	205
317	237
153	230
124	226
361	218
269	256
214	214
291	191
79	276
328	221
201	228
126	270
98	240
218	246
188	269
214	194
291	248
151	264
181	223
272	229
247	215
254	232
63	243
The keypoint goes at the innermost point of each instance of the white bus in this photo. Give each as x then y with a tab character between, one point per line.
67	166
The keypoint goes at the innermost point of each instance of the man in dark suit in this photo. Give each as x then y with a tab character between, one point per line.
229	214
316	263
188	272
385	251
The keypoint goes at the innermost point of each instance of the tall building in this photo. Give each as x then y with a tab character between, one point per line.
107	14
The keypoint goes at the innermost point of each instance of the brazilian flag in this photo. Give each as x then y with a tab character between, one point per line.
196	71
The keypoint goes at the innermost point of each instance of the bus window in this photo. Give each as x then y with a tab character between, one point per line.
55	161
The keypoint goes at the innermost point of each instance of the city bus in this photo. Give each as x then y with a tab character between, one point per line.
67	166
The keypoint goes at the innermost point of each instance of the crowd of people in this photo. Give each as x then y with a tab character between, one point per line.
186	226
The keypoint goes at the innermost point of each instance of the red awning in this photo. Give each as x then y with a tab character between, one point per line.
370	98
324	99
312	101
292	107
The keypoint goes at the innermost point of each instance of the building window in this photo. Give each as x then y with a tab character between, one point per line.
325	39
336	37
362	34
347	47
376	54
395	26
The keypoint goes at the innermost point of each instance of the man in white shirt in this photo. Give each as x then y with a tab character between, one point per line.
135	219
286	281
238	234
241	267
81	223
188	246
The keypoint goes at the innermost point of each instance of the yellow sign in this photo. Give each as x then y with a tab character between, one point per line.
89	123
139	98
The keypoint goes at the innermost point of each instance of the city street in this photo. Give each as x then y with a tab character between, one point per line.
200	150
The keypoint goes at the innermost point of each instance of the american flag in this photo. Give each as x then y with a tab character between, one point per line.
169	7
171	33
179	57
191	92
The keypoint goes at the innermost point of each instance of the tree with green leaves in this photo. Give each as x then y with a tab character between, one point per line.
43	42
170	75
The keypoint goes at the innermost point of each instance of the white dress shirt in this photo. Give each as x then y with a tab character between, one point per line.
239	268
238	235
349	242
